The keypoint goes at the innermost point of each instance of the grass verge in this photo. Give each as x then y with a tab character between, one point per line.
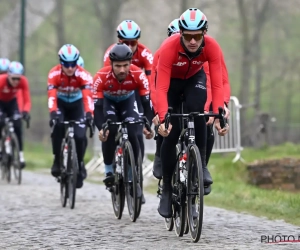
231	191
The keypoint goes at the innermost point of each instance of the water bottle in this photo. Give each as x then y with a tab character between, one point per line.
65	154
118	158
182	168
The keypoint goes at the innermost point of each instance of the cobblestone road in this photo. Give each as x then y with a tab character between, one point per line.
31	217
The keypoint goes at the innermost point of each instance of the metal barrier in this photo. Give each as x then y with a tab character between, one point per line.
223	144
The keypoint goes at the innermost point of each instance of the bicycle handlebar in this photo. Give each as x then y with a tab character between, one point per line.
108	123
12	118
219	116
73	122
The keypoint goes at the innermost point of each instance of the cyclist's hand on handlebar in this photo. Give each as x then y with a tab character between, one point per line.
210	119
89	118
101	137
25	115
148	135
54	117
221	131
163	131
227	112
155	120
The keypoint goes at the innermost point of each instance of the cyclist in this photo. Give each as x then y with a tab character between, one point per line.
69	97
129	32
173	28
10	84
114	99
4	64
180	71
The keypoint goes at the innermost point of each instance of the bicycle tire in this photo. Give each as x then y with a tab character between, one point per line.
130	189
15	161
140	181
179	206
72	171
195	187
6	161
63	182
118	193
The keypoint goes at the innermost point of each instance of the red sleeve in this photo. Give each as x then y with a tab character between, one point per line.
86	83
226	84
106	60
52	90
147	59
26	95
97	87
152	80
20	100
164	67
213	53
143	84
208	87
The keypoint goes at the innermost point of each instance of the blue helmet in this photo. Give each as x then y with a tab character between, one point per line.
4	64
15	68
80	62
68	53
128	29
192	19
173	27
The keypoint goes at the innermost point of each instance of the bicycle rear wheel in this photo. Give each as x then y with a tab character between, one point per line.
72	171
63	180
195	194
15	158
140	181
131	188
117	192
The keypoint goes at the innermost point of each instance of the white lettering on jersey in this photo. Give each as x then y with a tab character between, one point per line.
146	53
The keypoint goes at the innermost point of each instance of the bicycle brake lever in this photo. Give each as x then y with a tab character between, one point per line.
221	117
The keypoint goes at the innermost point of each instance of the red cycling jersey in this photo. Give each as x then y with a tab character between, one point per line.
106	84
70	88
142	58
7	92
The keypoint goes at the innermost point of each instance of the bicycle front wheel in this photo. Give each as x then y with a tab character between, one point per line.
140	181
15	158
130	181
72	171
195	192
63	179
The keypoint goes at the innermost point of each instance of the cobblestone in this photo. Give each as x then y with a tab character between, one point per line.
31	217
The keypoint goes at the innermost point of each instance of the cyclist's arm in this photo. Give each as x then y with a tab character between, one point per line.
98	101
52	92
226	84
87	98
143	86
213	53
20	100
164	67
152	81
26	95
147	61
208	87
106	60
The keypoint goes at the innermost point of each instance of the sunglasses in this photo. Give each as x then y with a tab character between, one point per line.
131	43
189	37
16	78
69	64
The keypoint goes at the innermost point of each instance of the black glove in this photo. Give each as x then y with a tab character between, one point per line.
25	116
89	118
54	117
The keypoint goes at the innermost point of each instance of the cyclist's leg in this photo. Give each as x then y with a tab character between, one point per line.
195	93
210	140
2	114
168	149
157	168
108	147
12	109
140	127
56	138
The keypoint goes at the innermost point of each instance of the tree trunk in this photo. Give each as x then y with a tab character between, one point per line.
60	23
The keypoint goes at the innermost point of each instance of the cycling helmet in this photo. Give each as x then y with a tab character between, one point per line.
4	64
120	52
80	62
15	68
68	53
192	19
128	29
173	27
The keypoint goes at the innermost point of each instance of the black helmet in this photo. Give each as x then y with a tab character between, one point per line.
120	52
